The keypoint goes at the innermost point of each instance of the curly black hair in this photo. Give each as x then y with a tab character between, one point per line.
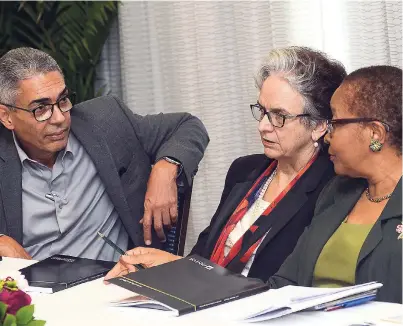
376	92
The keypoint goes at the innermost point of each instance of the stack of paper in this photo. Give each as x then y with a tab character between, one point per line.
290	299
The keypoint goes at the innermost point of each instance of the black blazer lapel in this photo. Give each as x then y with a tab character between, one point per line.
392	209
333	216
10	185
281	215
237	193
272	224
234	198
98	150
296	198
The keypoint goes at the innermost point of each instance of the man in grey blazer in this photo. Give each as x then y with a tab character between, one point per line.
67	172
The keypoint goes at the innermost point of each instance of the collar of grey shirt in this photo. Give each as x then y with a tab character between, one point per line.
23	156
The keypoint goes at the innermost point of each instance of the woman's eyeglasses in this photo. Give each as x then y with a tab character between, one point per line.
276	119
331	123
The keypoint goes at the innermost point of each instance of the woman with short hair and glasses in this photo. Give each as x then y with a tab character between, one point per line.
269	198
357	232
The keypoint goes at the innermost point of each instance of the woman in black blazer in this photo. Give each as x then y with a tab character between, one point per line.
269	199
356	235
291	215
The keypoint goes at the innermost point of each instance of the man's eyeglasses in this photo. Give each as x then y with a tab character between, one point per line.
43	112
276	119
331	123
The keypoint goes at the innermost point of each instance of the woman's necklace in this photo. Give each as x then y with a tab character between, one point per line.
267	184
376	199
257	204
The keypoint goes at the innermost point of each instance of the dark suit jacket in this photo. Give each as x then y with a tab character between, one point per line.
123	146
291	215
380	258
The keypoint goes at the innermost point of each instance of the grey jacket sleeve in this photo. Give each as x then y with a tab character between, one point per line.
177	135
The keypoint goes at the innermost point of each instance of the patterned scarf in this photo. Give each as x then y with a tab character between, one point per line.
218	256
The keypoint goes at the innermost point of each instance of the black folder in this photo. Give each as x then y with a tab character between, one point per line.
60	272
186	285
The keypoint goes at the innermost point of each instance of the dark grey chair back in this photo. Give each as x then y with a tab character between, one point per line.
176	237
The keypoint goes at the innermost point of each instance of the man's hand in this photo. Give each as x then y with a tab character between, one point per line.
11	248
161	200
148	257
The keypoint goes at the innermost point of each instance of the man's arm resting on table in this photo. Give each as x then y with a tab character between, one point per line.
11	248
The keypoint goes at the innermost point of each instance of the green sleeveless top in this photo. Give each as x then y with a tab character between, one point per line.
337	262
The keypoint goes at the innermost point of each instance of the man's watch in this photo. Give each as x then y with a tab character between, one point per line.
173	161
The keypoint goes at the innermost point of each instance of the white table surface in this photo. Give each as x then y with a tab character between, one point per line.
87	304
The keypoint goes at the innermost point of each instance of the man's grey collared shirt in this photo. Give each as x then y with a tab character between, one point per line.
63	207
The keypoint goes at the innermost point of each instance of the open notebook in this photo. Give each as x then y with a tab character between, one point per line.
289	299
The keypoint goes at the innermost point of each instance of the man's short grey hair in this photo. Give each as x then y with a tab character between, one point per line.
311	73
20	64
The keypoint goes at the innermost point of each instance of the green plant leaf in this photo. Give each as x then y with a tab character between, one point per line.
22	3
10	320
36	323
25	314
3	309
30	11
72	32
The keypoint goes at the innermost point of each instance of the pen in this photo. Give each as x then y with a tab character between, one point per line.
114	246
351	303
